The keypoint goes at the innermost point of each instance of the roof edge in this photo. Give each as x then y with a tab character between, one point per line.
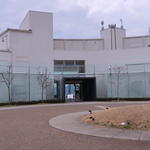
17	30
77	39
5	51
140	36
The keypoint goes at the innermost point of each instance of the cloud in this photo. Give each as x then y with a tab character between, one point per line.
138	8
86	15
94	6
100	6
107	6
132	12
74	24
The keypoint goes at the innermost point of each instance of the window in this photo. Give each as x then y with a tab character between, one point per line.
69	66
79	62
58	62
69	62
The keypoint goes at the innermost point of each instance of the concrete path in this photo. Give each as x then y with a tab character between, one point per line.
71	123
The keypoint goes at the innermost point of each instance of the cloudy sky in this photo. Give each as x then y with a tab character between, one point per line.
81	18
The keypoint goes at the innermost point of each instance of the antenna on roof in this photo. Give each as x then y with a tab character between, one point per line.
102	24
121	21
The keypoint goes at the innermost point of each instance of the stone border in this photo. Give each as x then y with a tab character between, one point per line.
71	123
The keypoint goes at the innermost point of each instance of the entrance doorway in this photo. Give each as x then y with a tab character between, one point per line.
79	89
73	91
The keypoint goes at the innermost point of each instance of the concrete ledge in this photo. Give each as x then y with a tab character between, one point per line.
71	123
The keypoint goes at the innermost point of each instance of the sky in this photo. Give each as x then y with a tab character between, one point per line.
81	18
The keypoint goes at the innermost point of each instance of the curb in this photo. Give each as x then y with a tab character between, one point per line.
71	123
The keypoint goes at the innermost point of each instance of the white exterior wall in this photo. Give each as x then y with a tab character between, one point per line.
100	61
25	24
4	41
42	37
35	45
5	52
41	46
113	38
79	45
136	42
5	57
107	38
147	41
120	34
21	53
31	44
103	59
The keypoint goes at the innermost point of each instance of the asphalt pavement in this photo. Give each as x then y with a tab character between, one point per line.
27	128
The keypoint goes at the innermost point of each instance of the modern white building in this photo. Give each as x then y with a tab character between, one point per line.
79	68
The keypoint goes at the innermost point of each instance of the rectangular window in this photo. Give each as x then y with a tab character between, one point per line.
79	62
69	62
69	66
58	62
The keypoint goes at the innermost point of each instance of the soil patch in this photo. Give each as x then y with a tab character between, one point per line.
126	117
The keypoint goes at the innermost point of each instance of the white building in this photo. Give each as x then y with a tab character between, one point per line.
79	62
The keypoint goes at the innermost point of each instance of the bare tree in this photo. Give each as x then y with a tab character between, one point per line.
7	79
110	74
118	71
43	80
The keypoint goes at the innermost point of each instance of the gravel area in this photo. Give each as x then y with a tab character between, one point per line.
28	129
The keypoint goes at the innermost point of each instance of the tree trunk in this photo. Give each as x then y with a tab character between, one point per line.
118	87
42	93
9	98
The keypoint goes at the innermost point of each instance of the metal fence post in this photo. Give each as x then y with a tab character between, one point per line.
110	73
10	80
128	80
29	81
144	81
46	82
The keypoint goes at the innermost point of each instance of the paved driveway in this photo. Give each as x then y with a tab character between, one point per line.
28	129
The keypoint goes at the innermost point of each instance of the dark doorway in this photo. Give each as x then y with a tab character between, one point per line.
79	88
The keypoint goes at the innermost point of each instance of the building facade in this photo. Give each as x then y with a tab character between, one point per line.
79	69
